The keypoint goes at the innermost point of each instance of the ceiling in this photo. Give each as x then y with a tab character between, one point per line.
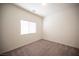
33	7
46	9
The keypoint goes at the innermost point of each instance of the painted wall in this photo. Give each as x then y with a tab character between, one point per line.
61	23
0	27
11	38
78	21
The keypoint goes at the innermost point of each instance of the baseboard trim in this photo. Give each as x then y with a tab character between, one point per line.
62	44
18	47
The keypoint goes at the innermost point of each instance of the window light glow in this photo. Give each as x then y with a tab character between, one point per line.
43	4
27	27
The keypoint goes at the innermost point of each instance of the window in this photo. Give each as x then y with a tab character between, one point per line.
27	27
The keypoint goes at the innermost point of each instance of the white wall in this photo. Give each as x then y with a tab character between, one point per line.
11	38
61	23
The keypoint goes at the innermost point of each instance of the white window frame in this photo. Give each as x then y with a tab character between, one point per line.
27	27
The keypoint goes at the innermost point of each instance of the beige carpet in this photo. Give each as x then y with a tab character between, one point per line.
44	48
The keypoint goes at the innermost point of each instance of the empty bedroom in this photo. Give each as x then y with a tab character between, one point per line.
39	29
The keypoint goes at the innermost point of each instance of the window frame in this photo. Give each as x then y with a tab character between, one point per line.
30	28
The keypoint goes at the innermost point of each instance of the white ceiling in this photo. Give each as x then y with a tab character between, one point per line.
33	7
46	9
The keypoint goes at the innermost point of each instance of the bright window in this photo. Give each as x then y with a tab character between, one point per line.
27	27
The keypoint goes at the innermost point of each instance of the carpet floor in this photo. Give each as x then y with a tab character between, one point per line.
43	48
